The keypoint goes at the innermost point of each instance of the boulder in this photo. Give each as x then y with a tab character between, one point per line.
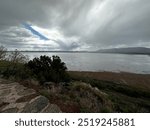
36	105
17	98
51	108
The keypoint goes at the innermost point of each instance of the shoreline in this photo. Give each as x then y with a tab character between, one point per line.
131	79
110	72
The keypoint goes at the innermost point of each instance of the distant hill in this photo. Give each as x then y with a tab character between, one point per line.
129	50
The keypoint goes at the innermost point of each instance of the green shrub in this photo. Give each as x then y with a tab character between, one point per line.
14	66
48	69
17	71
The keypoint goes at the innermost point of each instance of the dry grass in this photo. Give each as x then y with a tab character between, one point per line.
79	97
135	80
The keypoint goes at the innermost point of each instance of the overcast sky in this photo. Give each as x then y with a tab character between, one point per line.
74	24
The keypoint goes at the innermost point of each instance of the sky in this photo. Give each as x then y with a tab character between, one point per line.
74	25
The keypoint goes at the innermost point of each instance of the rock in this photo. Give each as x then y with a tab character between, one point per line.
4	92
51	108
25	92
13	107
17	98
100	92
10	110
36	105
2	103
26	98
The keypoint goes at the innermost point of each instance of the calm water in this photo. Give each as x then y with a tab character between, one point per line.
101	62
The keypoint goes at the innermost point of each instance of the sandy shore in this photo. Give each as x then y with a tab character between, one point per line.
132	79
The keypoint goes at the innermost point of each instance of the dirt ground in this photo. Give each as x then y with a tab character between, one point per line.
132	79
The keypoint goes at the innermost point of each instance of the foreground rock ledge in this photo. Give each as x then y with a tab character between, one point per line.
15	98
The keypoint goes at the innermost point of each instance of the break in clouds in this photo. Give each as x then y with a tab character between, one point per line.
74	24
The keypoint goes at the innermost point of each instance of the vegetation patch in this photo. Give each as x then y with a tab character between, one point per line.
71	92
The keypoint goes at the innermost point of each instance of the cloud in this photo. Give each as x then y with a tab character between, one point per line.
24	39
74	25
125	23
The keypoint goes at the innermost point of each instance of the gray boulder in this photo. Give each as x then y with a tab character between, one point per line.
51	108
36	105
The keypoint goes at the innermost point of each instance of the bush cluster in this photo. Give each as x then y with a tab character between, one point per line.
44	68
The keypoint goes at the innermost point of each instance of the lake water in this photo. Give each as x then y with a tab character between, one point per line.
101	62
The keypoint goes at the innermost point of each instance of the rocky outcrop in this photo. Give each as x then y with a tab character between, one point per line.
17	98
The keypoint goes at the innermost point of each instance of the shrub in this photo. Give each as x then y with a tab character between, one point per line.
17	57
14	66
17	71
47	69
3	52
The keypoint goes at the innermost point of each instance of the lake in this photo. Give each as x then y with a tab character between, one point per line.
101	62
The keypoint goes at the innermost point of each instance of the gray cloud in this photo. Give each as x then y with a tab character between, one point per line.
129	25
95	23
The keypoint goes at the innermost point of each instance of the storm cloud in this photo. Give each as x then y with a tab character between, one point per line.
74	25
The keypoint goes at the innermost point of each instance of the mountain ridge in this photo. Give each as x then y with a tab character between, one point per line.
127	50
